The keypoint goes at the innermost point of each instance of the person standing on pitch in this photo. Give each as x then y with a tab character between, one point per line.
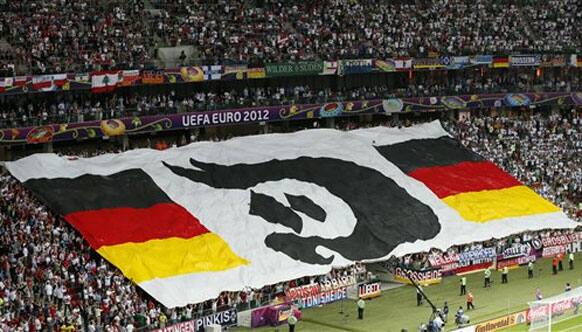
361	307
571	260
419	295
530	268
470	299
504	275
487	278
555	265
292	321
463	286
560	259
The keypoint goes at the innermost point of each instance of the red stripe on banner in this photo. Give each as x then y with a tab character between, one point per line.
120	225
42	85
464	177
103	89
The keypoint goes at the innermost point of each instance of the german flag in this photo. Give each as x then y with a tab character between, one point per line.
500	62
477	189
133	224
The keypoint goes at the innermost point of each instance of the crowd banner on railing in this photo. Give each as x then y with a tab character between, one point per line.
105	81
554	60
457	62
212	73
330	67
465	262
518	254
294	68
500	62
403	64
359	66
425	277
242	72
145	124
127	78
530	60
561	244
225	318
429	63
481	60
387	65
316	294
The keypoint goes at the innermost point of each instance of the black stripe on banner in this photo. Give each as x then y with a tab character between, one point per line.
130	189
419	153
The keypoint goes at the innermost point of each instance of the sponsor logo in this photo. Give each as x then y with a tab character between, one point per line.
368	291
502	322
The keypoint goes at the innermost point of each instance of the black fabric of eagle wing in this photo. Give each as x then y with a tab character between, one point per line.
386	215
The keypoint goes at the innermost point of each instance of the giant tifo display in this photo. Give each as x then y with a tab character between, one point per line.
190	222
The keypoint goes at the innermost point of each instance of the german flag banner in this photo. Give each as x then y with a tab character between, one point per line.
477	189
188	223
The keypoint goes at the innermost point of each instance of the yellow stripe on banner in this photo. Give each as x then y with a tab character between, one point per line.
162	258
486	205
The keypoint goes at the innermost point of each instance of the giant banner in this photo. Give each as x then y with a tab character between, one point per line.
187	223
145	124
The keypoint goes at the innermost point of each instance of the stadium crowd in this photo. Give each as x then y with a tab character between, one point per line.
126	34
69	108
50	279
51	36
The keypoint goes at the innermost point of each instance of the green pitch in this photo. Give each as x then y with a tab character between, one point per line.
396	309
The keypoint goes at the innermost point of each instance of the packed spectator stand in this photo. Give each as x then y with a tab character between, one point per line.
50	279
67	107
126	34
